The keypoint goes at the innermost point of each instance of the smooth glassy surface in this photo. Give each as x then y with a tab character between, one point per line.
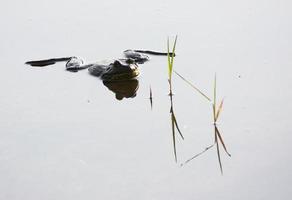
64	135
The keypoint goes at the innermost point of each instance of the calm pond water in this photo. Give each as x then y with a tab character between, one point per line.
65	136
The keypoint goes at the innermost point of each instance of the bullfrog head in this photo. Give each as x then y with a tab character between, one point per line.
121	69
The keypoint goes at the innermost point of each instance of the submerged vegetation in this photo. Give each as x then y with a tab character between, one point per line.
218	139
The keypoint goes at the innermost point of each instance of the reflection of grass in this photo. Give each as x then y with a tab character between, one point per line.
216	114
174	124
150	98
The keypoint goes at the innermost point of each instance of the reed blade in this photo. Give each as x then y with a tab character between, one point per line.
168	60
173	137
219	110
198	154
173	51
150	98
197	89
170	57
176	125
219	158
215	137
214	100
221	140
218	152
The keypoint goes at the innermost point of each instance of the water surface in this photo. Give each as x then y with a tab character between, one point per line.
65	136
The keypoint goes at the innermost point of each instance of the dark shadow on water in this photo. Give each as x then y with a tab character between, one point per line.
123	89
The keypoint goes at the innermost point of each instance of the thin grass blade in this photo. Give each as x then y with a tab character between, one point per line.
219	158
173	137
168	60
197	155
215	135
188	82
221	140
214	100
219	110
150	97
176	125
214	113
173	51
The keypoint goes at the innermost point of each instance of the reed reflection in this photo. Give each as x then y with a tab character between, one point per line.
218	139
174	126
150	98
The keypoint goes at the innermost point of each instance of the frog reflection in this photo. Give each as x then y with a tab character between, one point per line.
123	89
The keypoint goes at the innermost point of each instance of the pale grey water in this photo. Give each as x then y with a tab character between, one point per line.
64	136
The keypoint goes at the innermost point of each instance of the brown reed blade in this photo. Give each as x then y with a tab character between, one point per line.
219	110
176	125
173	137
221	140
218	155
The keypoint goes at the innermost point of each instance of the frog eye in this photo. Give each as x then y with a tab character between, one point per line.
117	63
